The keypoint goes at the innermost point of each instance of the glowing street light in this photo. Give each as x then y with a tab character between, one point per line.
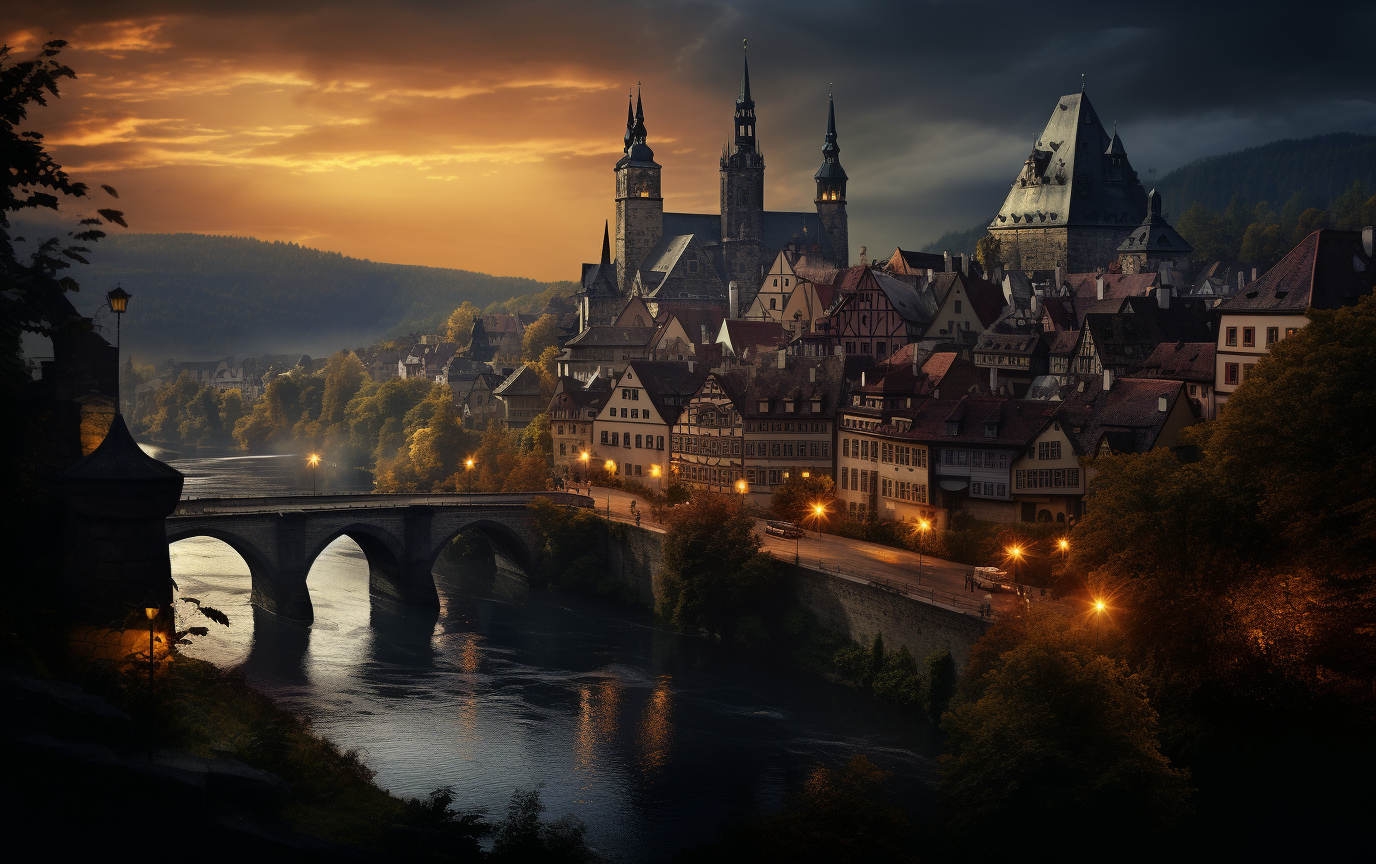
1015	553
119	304
1099	607
922	527
314	461
1064	545
583	457
656	473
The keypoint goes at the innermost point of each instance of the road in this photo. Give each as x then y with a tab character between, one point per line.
939	581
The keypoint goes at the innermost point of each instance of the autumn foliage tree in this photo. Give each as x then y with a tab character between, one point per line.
714	569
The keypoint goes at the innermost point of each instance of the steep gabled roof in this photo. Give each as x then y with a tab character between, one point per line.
1155	236
607	335
668	385
1128	416
1182	361
523	382
916	307
741	335
1327	270
1068	179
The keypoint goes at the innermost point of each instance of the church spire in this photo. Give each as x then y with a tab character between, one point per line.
630	125
744	96
638	134
606	245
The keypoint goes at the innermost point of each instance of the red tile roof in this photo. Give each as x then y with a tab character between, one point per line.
1327	270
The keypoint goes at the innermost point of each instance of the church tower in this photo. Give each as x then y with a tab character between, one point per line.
639	206
831	192
742	194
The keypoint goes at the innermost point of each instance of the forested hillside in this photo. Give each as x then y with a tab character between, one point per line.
1289	174
199	296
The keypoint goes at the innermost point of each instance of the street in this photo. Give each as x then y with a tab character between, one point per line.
939	581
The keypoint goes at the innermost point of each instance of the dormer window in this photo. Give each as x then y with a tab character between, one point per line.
788	406
991	430
816	406
764	406
952	427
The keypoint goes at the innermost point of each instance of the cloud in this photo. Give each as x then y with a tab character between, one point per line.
488	131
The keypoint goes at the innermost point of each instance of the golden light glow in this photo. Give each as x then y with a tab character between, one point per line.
313	460
151	612
1099	606
654	470
819	510
119	300
807	474
582	456
923	525
741	487
1016	551
610	466
468	464
1063	545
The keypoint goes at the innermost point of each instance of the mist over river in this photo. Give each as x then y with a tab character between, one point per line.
654	739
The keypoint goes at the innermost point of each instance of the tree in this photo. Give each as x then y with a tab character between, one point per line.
793	500
524	837
541	335
460	323
1053	729
1309	221
989	253
1263	245
345	375
714	571
548	365
1211	234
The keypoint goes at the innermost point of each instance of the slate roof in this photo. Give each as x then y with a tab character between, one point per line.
1182	361
915	263
778	229
611	336
669	386
571	393
1065	342
1327	270
523	382
916	307
748	387
744	335
1155	235
1128	415
1085	286
1066	180
1019	421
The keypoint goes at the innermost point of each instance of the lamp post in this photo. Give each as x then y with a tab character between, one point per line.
314	462
583	457
151	607
1064	545
1099	608
468	473
656	473
119	303
818	516
610	467
923	526
742	487
1016	552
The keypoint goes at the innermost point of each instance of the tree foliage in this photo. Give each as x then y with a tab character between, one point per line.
539	337
1052	729
460	323
793	499
989	253
714	571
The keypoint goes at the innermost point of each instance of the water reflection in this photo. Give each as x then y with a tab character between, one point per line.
652	739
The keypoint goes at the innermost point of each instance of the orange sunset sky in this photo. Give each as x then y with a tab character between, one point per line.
482	135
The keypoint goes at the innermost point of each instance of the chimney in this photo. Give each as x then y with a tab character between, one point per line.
862	377
1254	274
946	258
1162	403
1108	379
1060	277
704	334
691	364
931	275
1163	297
812	375
864	257
1036	304
965	264
1100	284
1367	240
1241	279
781	355
734	309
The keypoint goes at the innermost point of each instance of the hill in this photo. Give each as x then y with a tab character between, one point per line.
201	296
1290	174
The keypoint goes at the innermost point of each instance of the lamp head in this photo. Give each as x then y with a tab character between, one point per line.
583	456
1099	606
807	474
313	460
610	466
119	300
1064	544
151	607
468	464
654	470
741	487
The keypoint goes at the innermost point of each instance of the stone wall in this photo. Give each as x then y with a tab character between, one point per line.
1080	249
857	610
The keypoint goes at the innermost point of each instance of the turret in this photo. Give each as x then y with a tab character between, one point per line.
831	191
639	206
742	191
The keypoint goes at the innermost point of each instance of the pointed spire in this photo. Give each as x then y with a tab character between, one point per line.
831	118
630	124
745	76
606	245
638	134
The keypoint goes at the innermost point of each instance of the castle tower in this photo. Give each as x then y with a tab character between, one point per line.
831	192
742	193
639	206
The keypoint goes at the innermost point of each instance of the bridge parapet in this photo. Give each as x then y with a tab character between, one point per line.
401	536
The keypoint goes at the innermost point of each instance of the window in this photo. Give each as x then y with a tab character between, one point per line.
957	307
1291	331
887	455
1193	389
962	456
1232	336
561	449
1230	373
616	439
864	481
625	440
1272	335
1249	337
637	442
604	436
826	449
978	460
950	457
921	455
772	301
845	447
659	445
864	450
637	470
750	448
775	448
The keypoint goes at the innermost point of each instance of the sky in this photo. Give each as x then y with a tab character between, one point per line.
482	135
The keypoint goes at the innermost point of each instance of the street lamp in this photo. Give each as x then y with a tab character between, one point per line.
119	304
151	608
657	474
1064	545
583	457
1016	553
923	526
1099	608
314	461
468	473
610	467
818	514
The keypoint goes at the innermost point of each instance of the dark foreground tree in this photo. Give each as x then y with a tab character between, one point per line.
714	571
1052	733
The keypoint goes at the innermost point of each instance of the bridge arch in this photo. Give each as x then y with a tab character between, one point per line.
383	550
264	591
513	551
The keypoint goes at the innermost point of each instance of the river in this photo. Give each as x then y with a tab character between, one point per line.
654	739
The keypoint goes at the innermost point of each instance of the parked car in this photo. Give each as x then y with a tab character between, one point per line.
782	529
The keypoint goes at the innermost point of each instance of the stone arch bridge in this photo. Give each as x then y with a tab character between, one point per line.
400	534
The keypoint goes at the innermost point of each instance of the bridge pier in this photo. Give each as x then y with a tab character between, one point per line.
413	582
286	594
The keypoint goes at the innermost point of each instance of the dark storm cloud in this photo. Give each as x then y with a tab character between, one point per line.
937	102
